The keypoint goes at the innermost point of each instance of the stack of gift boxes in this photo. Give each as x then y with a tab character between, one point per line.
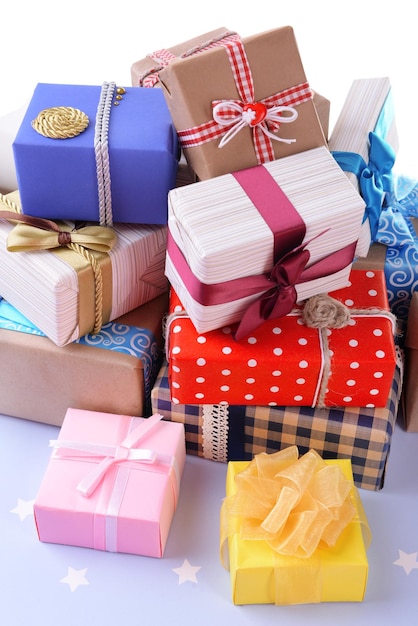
241	386
204	229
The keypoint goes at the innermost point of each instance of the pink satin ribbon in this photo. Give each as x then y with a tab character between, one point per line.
127	457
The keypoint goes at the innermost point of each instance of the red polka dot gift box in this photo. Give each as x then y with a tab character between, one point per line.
258	240
296	360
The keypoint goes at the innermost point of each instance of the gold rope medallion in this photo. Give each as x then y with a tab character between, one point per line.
60	122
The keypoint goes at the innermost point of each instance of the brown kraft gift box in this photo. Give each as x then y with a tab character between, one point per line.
191	85
144	73
40	380
410	388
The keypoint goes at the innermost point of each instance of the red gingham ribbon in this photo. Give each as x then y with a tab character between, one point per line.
164	57
263	116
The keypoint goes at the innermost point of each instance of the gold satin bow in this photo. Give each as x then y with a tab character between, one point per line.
35	233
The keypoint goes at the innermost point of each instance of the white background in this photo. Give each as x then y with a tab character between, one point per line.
98	40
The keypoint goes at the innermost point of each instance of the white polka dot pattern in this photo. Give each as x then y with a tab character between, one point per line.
284	361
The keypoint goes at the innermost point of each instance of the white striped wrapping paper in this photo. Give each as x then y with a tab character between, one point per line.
45	289
364	103
223	237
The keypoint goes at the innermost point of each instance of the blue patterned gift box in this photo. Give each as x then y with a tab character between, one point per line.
364	143
397	232
116	336
395	247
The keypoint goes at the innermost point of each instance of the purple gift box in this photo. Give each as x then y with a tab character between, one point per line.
62	178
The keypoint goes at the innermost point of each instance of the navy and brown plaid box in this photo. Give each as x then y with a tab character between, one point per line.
231	432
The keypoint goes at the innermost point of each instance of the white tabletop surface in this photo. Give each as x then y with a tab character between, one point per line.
47	584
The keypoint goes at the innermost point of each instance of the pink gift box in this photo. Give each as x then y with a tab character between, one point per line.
112	483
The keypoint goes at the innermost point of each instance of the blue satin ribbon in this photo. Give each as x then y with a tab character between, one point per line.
375	177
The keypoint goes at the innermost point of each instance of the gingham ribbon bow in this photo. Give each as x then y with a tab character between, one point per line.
263	116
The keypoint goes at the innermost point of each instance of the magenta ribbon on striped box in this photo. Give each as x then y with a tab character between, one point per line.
276	289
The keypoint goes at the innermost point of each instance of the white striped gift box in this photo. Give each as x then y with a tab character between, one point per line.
58	297
368	107
217	234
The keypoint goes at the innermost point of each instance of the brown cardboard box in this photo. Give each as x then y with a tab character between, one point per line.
323	109
39	380
375	259
144	73
410	389
191	85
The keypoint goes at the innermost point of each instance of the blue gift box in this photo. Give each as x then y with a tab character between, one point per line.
395	248
59	178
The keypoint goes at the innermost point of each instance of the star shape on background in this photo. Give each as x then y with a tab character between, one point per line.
75	578
407	560
23	509
187	572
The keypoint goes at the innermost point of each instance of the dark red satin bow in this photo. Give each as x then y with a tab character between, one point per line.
280	299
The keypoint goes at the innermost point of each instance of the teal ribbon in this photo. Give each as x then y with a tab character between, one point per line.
390	203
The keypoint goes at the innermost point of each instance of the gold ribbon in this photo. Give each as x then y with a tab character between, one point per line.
91	261
296	505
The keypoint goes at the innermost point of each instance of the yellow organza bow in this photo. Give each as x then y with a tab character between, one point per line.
293	503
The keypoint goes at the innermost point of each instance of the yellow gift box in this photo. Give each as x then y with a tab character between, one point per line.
261	575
